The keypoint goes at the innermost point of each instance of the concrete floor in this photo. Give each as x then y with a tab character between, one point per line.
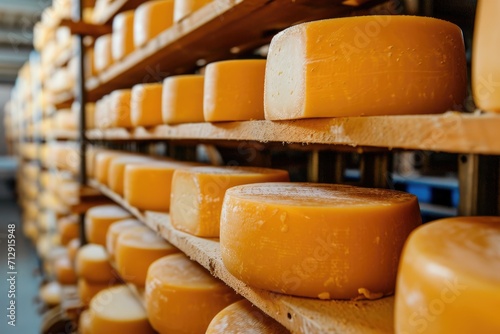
27	319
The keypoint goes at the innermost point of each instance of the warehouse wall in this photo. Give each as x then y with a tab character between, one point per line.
4	96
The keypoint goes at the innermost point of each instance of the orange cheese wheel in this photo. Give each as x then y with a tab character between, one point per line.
117	310
182	297
227	97
119	108
102	53
116	170
69	228
87	290
99	218
122	39
449	278
151	18
243	316
147	186
182	99
50	293
145	103
365	66
186	7
102	161
136	249
64	271
197	194
92	264
326	241
114	232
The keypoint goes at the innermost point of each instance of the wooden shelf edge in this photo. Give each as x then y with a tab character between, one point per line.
300	315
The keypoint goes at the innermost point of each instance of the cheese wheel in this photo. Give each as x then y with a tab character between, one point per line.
50	293
99	218
116	170
242	316
102	115
92	264
72	248
65	120
151	18
102	162
87	290
145	104
449	276
136	249
122	38
326	241
114	231
186	7
147	187
102	53
182	297
182	99
365	66
229	98
197	195
64	271
85	323
119	108
485	66
69	228
89	115
117	310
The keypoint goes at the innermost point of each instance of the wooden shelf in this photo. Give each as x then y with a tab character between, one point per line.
219	30
62	135
64	99
451	132
300	315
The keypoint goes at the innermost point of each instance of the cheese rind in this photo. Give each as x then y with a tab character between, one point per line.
145	103
326	241
92	264
64	271
122	38
99	218
197	194
182	297
136	249
243	315
186	7
182	99
151	18
365	66
449	276
229	98
114	232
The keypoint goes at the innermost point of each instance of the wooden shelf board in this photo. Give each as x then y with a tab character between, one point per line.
300	315
63	99
62	135
85	28
451	132
219	30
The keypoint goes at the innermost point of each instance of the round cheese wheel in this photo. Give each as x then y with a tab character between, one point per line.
243	316
92	264
87	290
64	270
326	241
50	293
449	278
186	7
182	297
182	99
116	171
136	249
151	18
85	323
99	218
119	107
114	231
69	228
145	104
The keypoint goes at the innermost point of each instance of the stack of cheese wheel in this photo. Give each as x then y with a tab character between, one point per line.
182	297
147	186
182	99
329	68
114	232
243	316
183	8
227	97
198	192
151	18
117	310
136	249
326	241
99	218
94	271
449	278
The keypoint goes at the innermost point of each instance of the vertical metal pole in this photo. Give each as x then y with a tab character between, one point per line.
326	167
376	170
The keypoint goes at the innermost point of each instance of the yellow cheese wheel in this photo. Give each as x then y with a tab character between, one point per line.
50	293
64	270
91	156
136	249
365	66
87	290
449	278
182	297
119	108
65	120
145	103
197	194
242	316
151	18
116	170
102	53
326	241
485	67
99	218
69	228
92	264
182	99
85	323
147	187
117	310
229	98
114	232
102	114
186	7
72	247
102	161
122	39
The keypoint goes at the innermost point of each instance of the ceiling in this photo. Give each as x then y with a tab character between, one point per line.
16	34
